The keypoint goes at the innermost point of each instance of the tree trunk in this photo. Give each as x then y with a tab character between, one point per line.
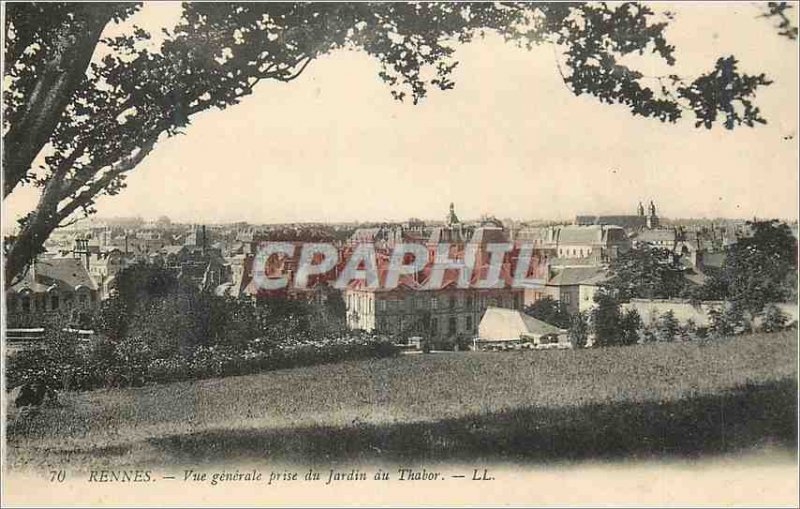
38	226
26	246
63	71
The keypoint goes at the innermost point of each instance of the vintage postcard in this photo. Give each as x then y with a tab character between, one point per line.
329	254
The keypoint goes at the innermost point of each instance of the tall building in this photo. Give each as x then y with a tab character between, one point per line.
448	315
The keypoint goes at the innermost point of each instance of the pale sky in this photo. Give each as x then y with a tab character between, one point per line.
510	140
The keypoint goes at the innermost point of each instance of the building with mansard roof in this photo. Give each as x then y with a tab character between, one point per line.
597	242
50	285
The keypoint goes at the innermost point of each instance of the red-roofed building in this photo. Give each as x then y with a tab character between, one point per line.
447	315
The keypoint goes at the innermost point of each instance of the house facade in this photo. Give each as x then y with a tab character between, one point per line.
599	243
448	315
51	285
574	287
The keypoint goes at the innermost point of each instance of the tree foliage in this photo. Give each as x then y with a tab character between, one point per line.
550	311
75	124
646	273
778	11
759	268
730	320
774	319
630	323
667	327
579	329
605	319
610	324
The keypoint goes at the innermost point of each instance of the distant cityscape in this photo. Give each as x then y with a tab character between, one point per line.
81	263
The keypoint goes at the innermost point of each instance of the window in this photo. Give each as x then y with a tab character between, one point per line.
469	323
565	298
54	302
452	301
434	326
434	303
469	301
451	325
382	305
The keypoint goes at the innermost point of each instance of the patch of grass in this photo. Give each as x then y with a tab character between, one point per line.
676	398
740	419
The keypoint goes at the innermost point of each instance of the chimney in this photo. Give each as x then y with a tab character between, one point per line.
81	250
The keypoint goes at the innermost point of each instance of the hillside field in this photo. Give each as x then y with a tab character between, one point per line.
654	400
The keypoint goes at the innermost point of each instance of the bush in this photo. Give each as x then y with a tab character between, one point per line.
170	334
667	327
605	319
649	334
721	324
131	362
579	330
550	311
630	323
33	367
774	319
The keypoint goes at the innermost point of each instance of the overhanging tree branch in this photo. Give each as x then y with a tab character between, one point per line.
61	73
217	53
87	196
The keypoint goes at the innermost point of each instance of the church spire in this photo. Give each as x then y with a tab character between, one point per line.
452	218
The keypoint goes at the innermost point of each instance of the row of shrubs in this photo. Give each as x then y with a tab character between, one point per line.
157	329
68	364
608	324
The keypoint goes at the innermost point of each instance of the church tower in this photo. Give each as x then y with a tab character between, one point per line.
640	209
452	218
652	217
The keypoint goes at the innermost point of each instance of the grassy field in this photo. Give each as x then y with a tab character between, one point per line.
656	400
